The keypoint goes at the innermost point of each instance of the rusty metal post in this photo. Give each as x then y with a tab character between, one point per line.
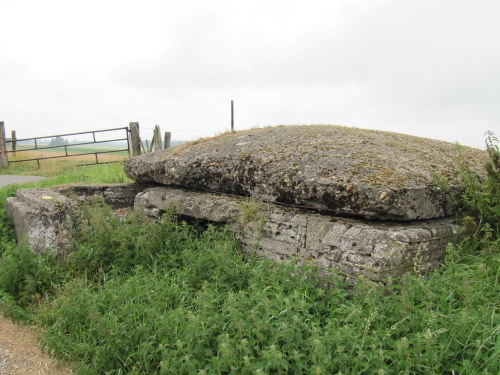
14	143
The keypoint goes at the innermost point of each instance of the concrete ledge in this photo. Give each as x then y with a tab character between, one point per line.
44	218
375	250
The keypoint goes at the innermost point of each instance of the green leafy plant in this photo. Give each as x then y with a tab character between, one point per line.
481	198
28	277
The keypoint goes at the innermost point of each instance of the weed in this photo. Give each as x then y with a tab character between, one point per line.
481	199
28	278
198	306
440	182
254	212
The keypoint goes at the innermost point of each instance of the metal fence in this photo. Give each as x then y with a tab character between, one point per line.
39	146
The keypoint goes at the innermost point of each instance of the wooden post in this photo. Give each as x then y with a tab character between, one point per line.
4	161
128	142
232	116
152	142
14	143
157	139
166	142
135	138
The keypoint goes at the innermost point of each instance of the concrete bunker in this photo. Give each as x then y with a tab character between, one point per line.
361	202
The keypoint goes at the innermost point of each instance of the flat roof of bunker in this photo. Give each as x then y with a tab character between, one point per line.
342	170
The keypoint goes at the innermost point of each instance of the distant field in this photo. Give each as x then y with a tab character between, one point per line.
56	165
71	149
113	155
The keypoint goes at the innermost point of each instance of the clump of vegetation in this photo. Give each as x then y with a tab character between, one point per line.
198	306
139	297
481	198
254	213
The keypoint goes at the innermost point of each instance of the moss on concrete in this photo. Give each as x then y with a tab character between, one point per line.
314	165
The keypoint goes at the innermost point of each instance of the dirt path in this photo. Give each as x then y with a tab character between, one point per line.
20	353
6	179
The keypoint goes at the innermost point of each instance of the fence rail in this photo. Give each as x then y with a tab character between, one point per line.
15	150
132	136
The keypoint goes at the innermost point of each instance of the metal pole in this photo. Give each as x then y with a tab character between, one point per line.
14	143
232	116
128	141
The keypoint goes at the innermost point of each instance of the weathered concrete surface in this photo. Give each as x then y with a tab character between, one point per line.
351	171
42	218
116	195
376	250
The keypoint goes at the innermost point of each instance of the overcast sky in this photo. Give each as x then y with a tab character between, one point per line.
424	67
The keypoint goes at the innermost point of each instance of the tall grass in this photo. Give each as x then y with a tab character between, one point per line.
137	297
198	306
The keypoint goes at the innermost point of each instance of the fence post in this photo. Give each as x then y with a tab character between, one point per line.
157	138
232	116
4	161
14	143
166	142
135	138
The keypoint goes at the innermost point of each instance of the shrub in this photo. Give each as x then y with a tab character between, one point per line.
28	277
481	198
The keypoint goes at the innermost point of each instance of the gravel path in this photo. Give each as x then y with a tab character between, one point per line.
20	353
6	179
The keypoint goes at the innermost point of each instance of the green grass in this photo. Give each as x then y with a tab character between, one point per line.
137	297
54	167
65	171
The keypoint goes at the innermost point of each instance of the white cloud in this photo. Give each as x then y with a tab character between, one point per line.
420	67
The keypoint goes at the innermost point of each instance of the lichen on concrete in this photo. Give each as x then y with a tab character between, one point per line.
43	219
349	171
